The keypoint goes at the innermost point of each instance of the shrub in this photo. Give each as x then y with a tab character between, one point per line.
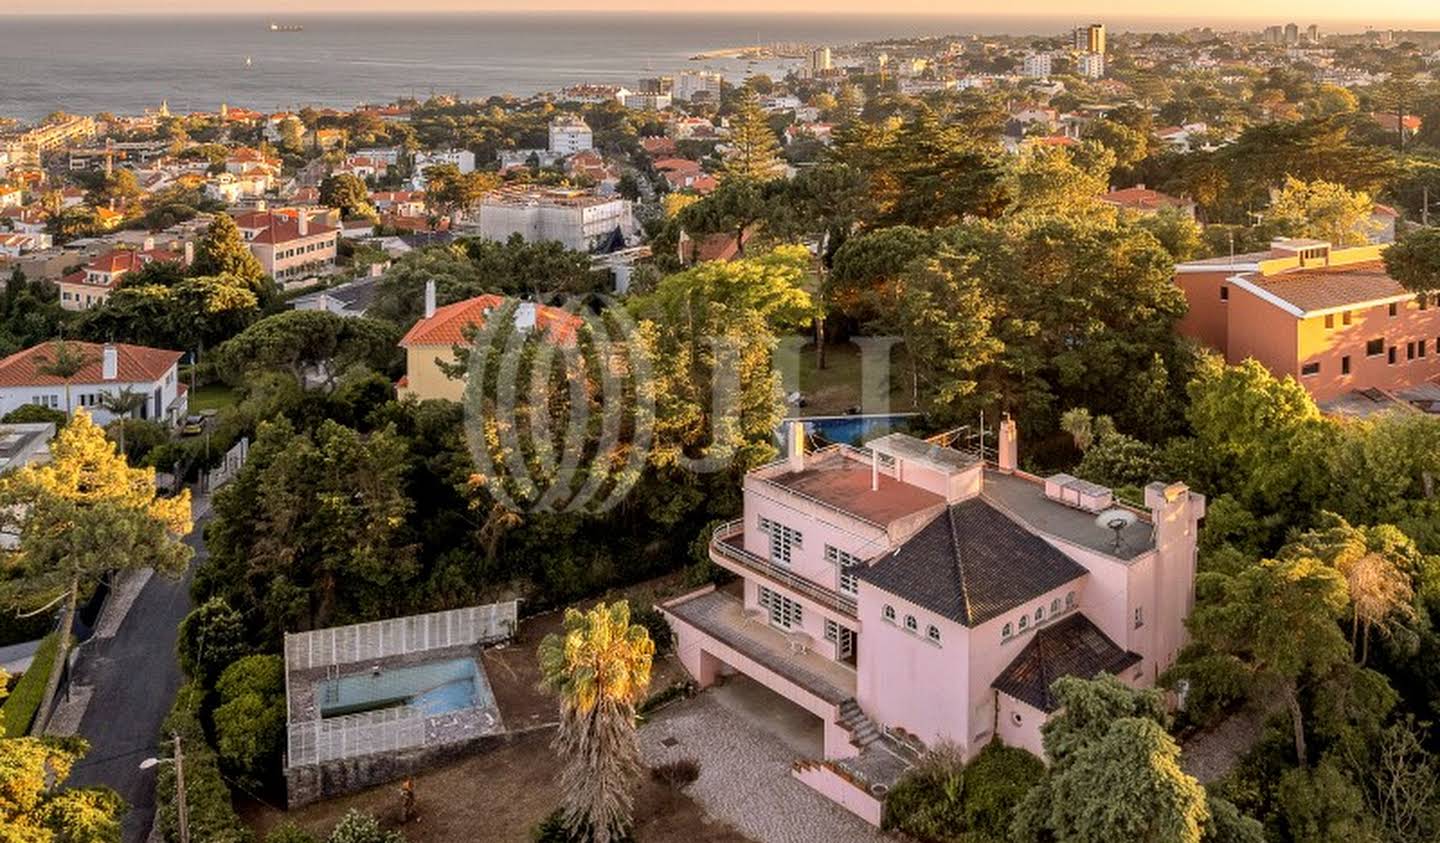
677	774
20	707
141	437
552	830
290	833
211	637
212	816
35	413
250	717
654	622
942	799
356	827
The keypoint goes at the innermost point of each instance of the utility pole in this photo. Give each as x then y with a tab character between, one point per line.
182	812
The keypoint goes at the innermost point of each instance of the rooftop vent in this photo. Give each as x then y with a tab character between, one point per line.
1081	494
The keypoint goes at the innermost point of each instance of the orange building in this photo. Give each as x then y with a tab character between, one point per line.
1331	318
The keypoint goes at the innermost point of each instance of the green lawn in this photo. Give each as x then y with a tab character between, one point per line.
212	397
836	388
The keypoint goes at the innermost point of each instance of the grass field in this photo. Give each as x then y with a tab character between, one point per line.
836	388
212	397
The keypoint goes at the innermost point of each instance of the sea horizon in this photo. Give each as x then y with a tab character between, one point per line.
87	64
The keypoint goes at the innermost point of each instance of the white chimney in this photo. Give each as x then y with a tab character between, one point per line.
304	221
429	298
1006	450
110	362
189	252
795	450
148	245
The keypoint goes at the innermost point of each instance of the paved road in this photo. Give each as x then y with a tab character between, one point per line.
135	676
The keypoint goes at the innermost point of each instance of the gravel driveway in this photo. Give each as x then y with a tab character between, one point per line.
745	775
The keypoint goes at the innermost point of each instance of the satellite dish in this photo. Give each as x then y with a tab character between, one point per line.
1117	520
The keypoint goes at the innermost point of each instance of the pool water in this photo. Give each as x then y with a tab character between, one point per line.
430	688
857	430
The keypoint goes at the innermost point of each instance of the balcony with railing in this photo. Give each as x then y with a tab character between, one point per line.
727	549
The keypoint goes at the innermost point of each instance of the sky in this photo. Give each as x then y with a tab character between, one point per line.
1380	13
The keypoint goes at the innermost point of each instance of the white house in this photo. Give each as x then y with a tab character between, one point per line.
106	370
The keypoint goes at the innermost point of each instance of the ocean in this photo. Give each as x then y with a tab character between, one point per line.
125	64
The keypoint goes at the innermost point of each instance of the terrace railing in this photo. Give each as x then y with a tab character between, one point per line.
748	562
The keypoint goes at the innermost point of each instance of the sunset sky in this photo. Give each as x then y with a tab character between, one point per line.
1423	13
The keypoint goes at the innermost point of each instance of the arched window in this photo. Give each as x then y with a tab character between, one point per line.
1039	614
1055	606
933	633
889	613
1070	600
911	625
1007	631
1024	622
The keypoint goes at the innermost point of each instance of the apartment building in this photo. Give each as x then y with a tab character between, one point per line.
570	134
1331	318
909	593
579	219
703	85
289	244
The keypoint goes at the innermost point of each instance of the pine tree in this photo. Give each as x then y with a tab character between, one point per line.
82	514
222	250
754	150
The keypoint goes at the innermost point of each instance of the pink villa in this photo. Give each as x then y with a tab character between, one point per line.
908	593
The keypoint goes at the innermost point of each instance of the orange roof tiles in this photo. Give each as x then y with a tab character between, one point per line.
448	324
137	364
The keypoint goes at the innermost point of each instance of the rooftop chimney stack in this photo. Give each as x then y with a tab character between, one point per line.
429	298
110	362
795	452
189	252
303	219
1006	450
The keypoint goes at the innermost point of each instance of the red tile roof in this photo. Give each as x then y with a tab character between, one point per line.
1143	199
137	364
278	228
1322	288
446	327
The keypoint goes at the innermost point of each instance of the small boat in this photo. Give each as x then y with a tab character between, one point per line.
247	61
286	27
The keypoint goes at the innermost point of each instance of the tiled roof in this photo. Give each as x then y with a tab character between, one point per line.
1070	647
137	364
277	228
1321	288
971	564
447	326
1143	199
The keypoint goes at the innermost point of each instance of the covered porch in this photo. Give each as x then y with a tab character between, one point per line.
714	634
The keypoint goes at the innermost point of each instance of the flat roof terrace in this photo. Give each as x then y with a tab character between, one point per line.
842	483
1025	501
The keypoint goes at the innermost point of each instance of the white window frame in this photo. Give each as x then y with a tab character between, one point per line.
911	625
783	612
932	634
845	580
888	613
783	541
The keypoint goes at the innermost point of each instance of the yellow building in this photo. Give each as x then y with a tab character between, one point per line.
433	338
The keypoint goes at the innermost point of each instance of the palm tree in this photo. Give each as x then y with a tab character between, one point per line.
66	364
600	666
120	405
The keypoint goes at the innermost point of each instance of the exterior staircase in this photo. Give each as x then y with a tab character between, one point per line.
863	731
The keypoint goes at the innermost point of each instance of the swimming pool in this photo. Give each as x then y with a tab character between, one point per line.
431	689
857	430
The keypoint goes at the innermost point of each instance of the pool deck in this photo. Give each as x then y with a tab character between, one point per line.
314	739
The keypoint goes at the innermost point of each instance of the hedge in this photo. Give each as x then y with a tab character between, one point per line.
20	707
942	801
212	814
